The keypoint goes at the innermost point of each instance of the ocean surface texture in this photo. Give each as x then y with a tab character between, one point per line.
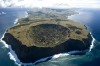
89	17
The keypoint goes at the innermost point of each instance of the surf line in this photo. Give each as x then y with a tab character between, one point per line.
92	43
14	57
11	54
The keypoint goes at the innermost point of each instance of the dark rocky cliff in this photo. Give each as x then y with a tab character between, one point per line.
33	53
33	40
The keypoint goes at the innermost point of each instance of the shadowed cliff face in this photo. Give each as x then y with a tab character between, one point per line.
33	53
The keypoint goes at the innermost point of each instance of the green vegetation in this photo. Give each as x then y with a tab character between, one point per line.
43	14
47	28
48	34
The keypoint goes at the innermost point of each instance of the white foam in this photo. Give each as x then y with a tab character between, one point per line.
73	52
14	57
65	54
11	54
16	20
26	14
5	45
92	43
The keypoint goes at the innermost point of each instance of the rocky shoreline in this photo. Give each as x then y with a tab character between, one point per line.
34	39
26	55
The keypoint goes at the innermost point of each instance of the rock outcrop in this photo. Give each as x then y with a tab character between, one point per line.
35	40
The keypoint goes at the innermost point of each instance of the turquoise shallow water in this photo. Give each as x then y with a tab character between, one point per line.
89	17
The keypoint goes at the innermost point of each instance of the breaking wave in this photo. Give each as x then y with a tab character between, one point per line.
14	57
92	43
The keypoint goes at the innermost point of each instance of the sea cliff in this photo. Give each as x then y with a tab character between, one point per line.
35	40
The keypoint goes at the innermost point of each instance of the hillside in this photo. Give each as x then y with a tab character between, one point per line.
48	33
39	36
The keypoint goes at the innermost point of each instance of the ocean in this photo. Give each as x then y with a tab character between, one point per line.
89	17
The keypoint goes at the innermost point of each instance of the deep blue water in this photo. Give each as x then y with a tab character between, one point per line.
6	21
89	17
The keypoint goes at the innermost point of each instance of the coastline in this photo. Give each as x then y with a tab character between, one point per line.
11	54
93	39
92	43
16	20
71	16
14	57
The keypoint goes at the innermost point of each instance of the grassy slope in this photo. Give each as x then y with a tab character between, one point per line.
53	36
77	32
